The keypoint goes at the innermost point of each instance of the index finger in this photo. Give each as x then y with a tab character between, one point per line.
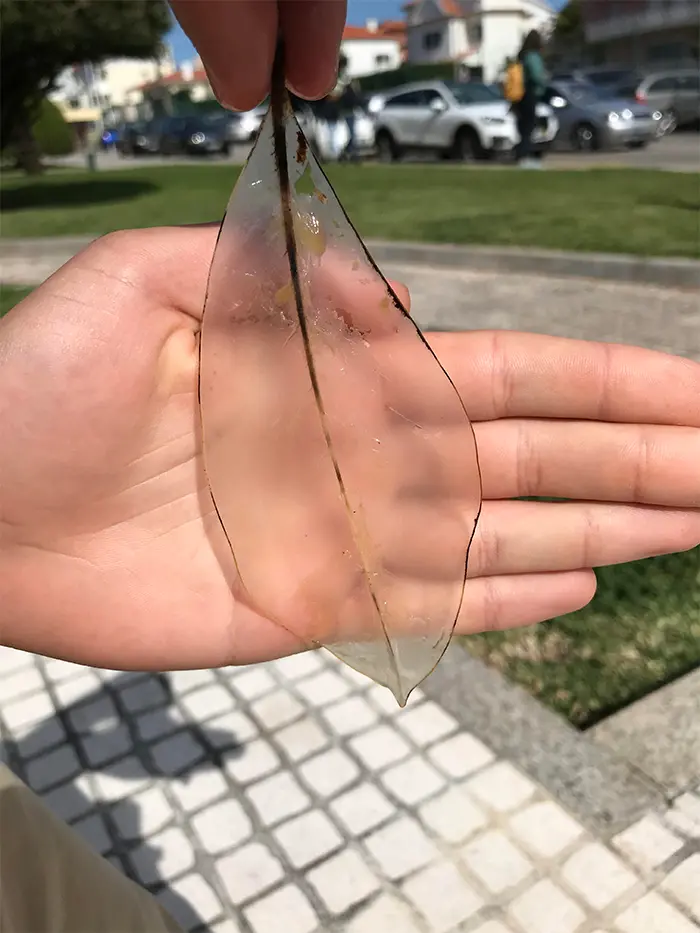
506	374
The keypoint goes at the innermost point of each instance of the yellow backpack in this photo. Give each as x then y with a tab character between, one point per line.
514	84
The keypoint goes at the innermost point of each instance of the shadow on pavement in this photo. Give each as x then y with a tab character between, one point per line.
67	193
100	731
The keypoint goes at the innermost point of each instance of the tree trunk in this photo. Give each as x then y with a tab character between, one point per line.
26	148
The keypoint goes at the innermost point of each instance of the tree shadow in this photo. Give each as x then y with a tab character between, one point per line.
67	193
109	736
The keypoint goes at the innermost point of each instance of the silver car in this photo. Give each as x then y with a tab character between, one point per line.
592	118
467	121
675	93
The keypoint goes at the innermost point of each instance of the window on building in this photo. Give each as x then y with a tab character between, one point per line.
381	60
432	41
73	103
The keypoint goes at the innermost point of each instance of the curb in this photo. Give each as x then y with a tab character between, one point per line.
45	255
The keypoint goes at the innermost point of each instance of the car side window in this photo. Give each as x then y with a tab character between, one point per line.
690	82
407	99
663	84
429	95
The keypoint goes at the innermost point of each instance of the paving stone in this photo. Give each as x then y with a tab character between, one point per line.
106	746
251	762
250	684
79	688
206	702
284	911
176	753
231	729
597	875
124	777
57	670
198	788
196	893
32	740
69	801
412	781
544	908
249	871
301	739
93	830
144	694
501	786
652	914
380	747
493	926
343	881
684	815
460	755
647	843
276	709
226	926
453	816
384	915
350	716
298	665
545	828
143	814
385	701
358	680
426	724
496	862
323	688
308	838
400	848
95	716
222	826
25	681
27	711
442	896
163	856
683	884
183	681
329	772
361	809
277	798
13	660
159	723
55	767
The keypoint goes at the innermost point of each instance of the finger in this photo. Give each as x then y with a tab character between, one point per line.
648	464
312	31
510	601
503	374
532	537
236	40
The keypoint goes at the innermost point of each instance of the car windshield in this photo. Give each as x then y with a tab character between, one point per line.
607	77
472	92
584	93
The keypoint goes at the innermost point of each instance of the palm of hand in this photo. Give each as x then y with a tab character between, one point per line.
111	552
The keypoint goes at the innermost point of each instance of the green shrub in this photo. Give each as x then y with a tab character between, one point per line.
425	71
52	133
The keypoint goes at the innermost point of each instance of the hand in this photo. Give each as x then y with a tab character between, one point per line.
237	39
108	538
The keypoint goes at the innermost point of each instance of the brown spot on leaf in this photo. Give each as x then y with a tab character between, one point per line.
302	147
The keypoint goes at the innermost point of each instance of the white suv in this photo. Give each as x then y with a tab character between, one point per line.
467	121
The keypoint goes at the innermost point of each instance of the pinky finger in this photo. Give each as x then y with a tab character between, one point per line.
513	600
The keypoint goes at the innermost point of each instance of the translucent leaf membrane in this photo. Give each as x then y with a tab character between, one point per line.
338	452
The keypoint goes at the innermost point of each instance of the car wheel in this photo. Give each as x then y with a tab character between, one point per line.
467	145
585	138
637	144
669	123
225	149
387	150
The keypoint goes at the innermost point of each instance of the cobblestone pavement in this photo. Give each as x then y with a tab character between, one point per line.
295	797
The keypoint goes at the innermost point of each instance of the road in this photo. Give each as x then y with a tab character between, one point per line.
677	153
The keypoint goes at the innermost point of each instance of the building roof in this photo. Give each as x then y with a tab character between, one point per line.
390	29
177	77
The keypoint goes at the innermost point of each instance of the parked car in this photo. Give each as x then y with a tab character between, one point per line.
192	135
136	139
601	76
466	121
243	127
675	93
312	118
592	118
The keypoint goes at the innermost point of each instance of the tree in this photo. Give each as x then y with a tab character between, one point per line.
40	39
569	36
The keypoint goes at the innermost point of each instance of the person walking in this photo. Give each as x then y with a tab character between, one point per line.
350	101
534	84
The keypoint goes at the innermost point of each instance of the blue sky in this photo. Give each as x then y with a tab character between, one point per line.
358	12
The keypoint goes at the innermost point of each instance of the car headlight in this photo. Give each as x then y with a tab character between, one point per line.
614	118
197	138
249	123
627	114
557	102
493	121
141	141
657	115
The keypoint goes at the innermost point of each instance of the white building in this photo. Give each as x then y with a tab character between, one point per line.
480	34
373	47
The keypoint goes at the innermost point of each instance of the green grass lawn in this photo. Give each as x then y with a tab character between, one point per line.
614	210
10	296
641	630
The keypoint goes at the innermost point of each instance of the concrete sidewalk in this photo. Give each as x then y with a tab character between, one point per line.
295	797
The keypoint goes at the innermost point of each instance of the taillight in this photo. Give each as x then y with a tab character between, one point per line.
641	97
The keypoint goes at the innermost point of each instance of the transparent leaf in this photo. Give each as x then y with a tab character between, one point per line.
338	452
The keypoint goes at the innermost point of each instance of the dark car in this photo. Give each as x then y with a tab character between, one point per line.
592	118
602	76
135	139
191	135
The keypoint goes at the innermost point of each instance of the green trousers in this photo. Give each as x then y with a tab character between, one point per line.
51	881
